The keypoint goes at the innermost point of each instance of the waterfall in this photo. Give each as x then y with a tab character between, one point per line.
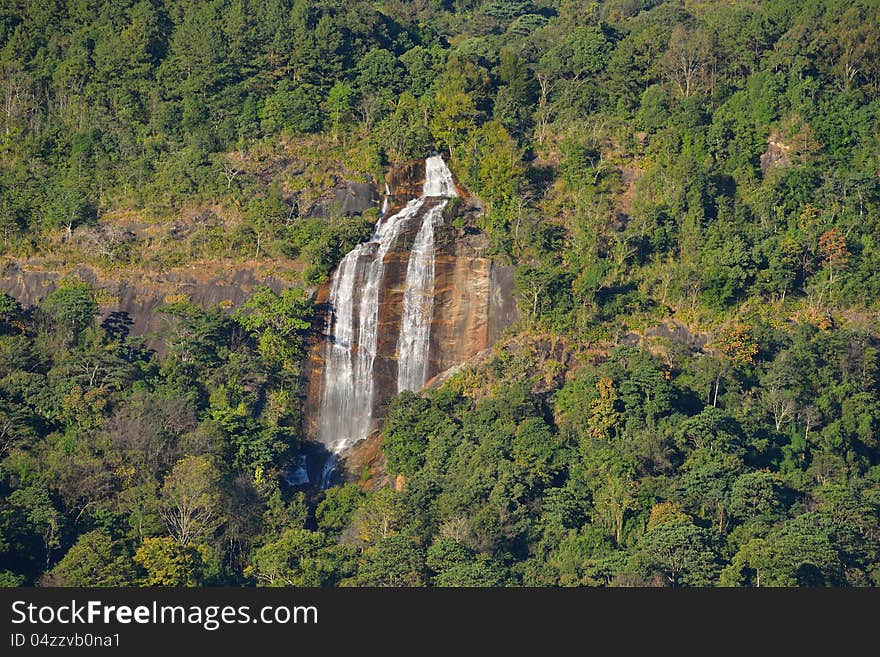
327	471
438	178
418	307
352	335
300	476
387	196
348	392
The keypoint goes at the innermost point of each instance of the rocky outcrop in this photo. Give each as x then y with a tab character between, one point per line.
352	199
134	296
405	181
473	299
777	153
660	337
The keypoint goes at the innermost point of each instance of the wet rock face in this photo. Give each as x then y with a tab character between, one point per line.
473	303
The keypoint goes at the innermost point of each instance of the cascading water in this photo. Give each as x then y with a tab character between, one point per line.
384	209
418	307
300	476
348	392
438	179
347	399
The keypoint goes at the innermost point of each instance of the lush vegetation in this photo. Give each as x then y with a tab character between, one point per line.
709	168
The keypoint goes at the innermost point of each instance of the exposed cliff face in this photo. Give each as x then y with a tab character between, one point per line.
135	295
349	199
777	153
405	181
472	301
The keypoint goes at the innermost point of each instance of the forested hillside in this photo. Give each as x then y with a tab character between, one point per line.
690	192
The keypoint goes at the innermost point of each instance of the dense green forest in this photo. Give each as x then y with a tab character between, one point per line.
713	166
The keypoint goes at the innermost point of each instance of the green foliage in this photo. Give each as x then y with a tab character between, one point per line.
688	194
403	134
173	459
491	164
93	561
189	497
393	561
297	109
299	558
681	551
71	308
408	428
278	322
335	511
168	563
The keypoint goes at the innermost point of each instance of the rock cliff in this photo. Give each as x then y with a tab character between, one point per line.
133	296
473	299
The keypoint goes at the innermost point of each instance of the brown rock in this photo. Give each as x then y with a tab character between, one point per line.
777	153
473	303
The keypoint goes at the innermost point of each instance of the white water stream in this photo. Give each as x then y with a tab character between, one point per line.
348	391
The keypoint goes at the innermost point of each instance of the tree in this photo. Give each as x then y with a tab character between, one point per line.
666	512
146	429
298	558
736	343
68	205
412	422
10	309
604	416
710	431
479	572
686	59
71	307
800	553
380	515
94	560
231	169
755	495
707	480
681	551
423	64
404	133
581	52
335	511
394	560
493	165
168	563
506	10
780	403
141	503
339	105
43	518
453	119
834	252
190	498
196	336
280	515
296	108
613	496
455	565
850	45
379	71
17	427
279	323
